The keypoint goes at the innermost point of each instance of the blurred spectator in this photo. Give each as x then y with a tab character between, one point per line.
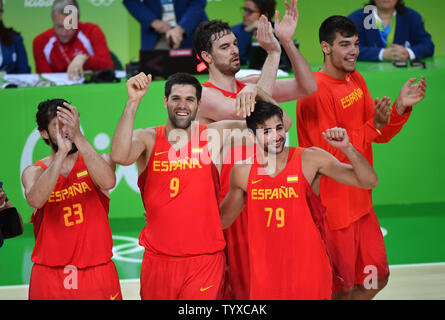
71	50
252	11
13	58
399	34
11	224
167	24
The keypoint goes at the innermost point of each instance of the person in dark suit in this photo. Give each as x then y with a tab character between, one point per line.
167	24
391	32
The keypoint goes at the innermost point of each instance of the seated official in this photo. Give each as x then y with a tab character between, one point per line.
13	58
399	35
70	50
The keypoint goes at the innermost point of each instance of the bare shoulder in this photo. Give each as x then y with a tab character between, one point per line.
147	136
31	174
314	154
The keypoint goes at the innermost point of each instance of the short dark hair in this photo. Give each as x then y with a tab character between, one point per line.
47	110
206	33
263	111
266	7
336	24
183	78
400	5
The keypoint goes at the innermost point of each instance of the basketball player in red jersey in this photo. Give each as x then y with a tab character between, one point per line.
353	233
179	184
69	193
217	46
288	258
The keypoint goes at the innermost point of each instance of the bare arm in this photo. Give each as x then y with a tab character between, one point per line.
39	183
233	203
100	170
269	43
304	83
358	174
127	145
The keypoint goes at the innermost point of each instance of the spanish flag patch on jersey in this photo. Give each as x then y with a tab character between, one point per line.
196	150
82	174
292	178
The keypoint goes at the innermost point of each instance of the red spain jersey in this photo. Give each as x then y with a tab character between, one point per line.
179	191
72	228
287	255
235	235
239	86
345	103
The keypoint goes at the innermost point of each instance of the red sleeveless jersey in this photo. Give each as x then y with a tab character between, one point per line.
235	235
179	191
288	259
239	86
72	228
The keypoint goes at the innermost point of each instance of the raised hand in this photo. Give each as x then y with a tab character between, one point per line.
286	28
382	112
265	36
337	137
410	94
245	100
64	144
70	120
137	86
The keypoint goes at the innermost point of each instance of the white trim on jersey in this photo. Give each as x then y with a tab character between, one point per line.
86	43
48	48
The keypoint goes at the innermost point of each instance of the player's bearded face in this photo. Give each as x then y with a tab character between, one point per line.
182	105
53	140
344	54
225	54
271	135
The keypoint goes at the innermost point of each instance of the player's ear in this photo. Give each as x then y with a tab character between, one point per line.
165	102
44	134
326	47
207	57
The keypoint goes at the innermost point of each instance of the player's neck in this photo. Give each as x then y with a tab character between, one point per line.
336	73
178	140
275	162
223	81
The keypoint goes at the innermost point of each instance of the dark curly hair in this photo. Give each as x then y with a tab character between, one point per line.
336	24
263	111
206	33
47	110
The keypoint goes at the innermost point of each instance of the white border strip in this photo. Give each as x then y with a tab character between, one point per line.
137	280
417	265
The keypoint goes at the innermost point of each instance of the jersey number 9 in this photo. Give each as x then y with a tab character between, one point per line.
174	187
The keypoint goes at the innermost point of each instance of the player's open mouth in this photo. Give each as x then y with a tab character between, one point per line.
182	114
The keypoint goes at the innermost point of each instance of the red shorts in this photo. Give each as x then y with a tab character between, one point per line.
182	278
67	283
357	253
